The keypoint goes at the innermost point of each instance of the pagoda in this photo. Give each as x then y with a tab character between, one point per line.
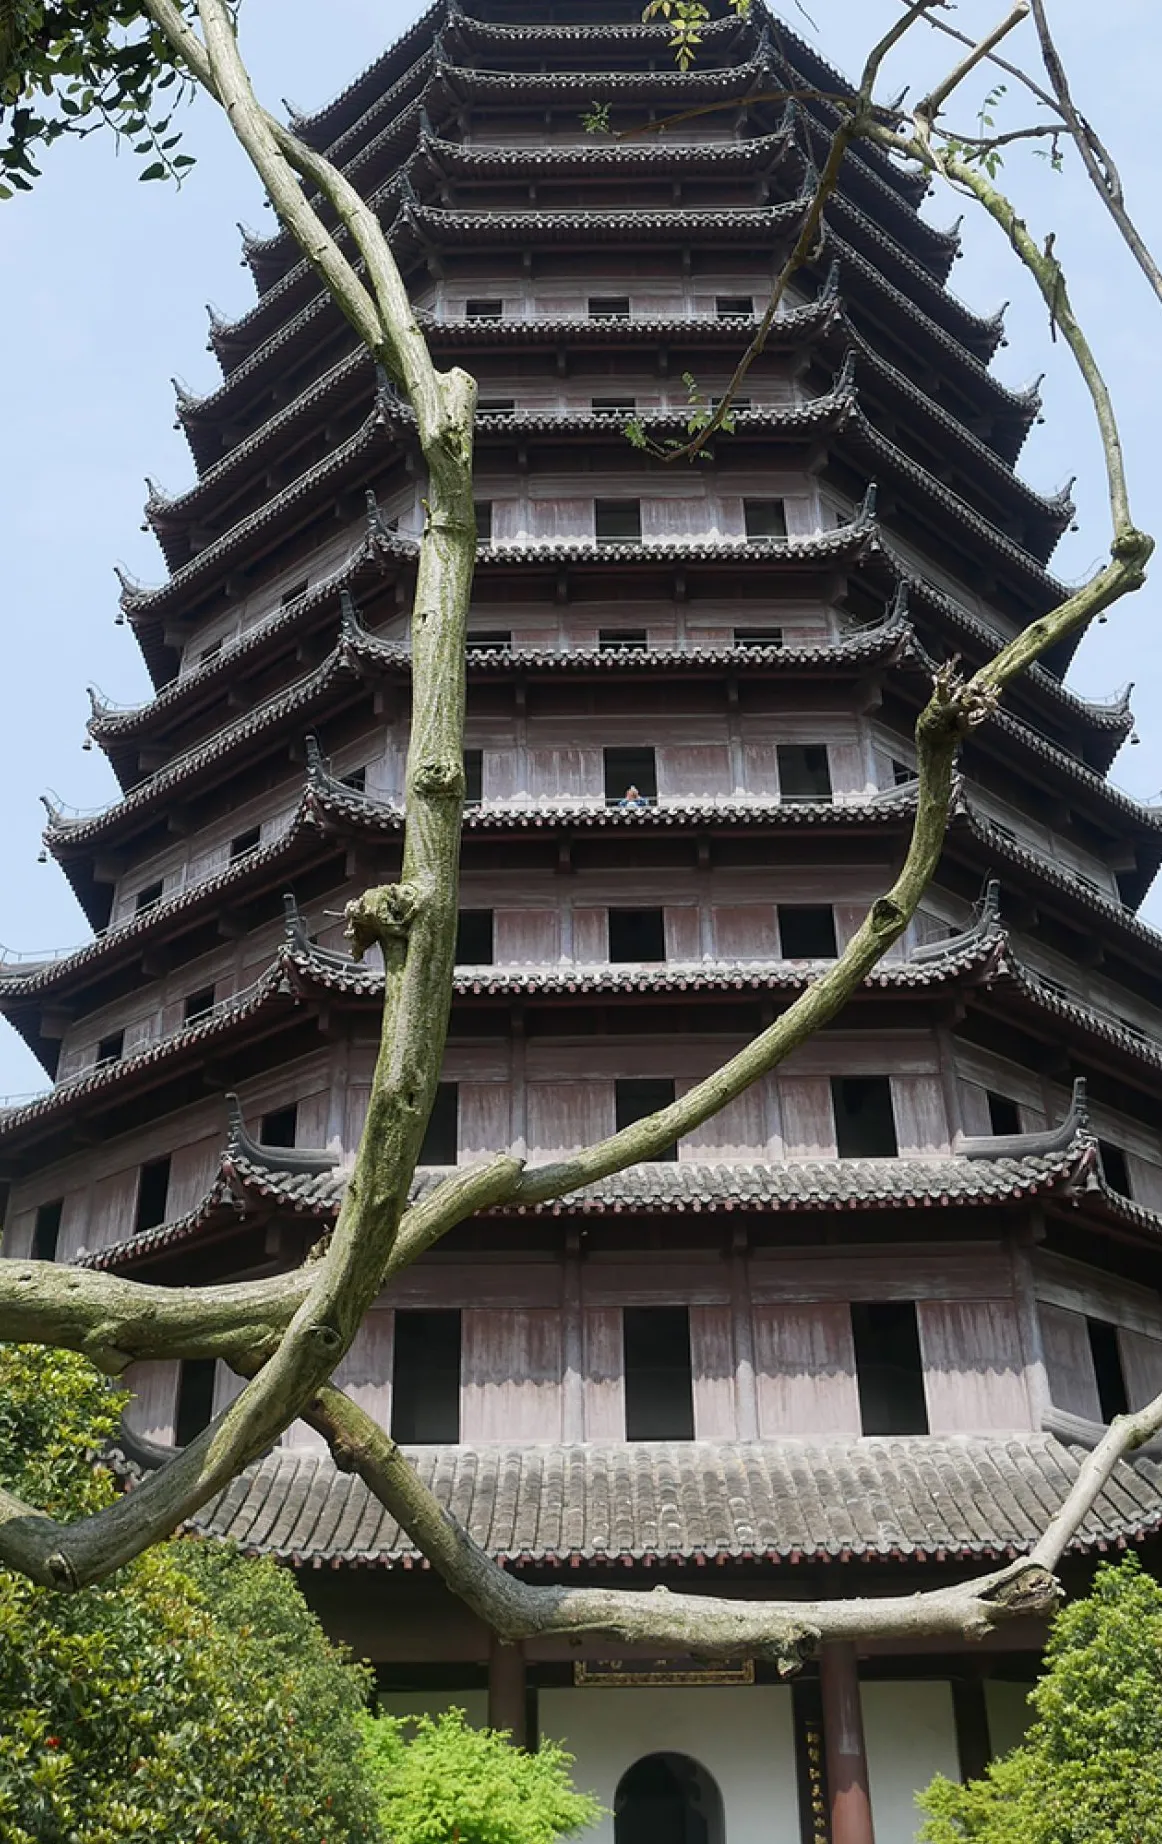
857	1333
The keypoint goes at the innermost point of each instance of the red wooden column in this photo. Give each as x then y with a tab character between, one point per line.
851	1816
506	1692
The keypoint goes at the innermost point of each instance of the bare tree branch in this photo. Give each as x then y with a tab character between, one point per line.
929	108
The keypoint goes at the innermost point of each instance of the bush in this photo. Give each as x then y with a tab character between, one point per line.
451	1784
193	1697
1090	1768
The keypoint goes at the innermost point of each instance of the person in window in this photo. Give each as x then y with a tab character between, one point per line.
633	797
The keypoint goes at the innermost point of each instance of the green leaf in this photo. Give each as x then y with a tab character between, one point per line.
156	171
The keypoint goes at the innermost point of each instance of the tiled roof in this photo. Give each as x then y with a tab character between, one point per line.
932	1497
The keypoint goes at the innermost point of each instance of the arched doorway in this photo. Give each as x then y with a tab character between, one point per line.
668	1799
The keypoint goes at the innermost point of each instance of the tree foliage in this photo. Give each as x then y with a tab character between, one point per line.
1090	1768
192	1697
445	1781
72	66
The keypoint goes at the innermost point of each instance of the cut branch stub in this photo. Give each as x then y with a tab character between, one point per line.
381	917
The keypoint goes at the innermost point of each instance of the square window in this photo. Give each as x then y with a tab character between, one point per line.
1116	1168
637	934
198	1004
659	1386
631	777
474	938
804	771
152	1194
425	1389
442	1139
764	518
617	521
609	307
484	307
758	636
473	777
111	1049
807	931
147	896
280	1127
637	1096
889	1370
865	1126
734	307
1004	1115
622	639
195	1409
483	510
245	842
47	1229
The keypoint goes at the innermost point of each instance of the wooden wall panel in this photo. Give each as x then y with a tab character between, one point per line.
805	1370
848	918
1145	1181
18	1232
849	775
365	1372
712	1364
974	1109
746	932
501	778
227	1385
590	934
112	1209
761	767
565	1115
528	937
510	1376
153	1408
694	771
921	1120
564	773
561	518
738	1132
192	1172
485	1119
604	1374
1141	1366
313	1118
74	1230
1069	1362
808	1118
683	926
355	1115
981	1271
973	1372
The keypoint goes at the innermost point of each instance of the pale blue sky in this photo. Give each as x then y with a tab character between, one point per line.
104	301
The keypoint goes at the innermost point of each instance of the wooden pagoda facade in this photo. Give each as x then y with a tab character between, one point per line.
856	1334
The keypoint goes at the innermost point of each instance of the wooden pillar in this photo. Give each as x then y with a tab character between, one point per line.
506	1692
847	1783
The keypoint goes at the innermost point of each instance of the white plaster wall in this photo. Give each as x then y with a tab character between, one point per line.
910	1733
1009	1713
743	1736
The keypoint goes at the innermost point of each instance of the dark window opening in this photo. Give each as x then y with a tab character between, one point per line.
865	1127
148	895
47	1230
473	777
152	1194
279	1127
807	931
1116	1168
738	404
495	406
111	1049
622	639
484	307
195	1005
475	946
488	639
637	934
356	780
758	636
1112	1394
483	511
614	406
247	841
609	307
764	518
804	771
902	773
209	653
442	1137
294	592
1004	1115
631	777
889	1372
734	307
195	1409
637	1096
425	1389
659	1387
617	521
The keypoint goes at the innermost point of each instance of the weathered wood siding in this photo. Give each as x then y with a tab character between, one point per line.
805	1380
1069	1362
973	1371
510	1376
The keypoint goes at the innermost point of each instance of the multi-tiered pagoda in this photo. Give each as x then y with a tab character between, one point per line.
854	1336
